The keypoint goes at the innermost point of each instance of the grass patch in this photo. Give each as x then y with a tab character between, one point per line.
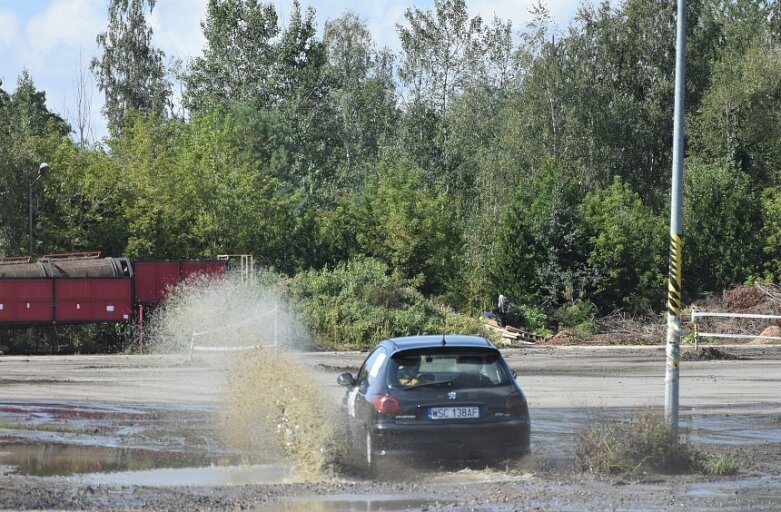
643	443
723	464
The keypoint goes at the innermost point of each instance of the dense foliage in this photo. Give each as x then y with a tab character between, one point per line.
479	159
360	302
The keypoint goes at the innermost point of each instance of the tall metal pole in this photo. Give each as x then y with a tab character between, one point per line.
42	170
30	218
674	288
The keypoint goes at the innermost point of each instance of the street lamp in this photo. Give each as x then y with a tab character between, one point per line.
674	282
42	170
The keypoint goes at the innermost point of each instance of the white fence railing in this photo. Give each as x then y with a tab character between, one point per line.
696	314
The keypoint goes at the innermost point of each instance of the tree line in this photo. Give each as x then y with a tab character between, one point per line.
479	159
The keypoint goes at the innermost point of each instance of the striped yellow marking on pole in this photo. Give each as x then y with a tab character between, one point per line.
673	349
674	286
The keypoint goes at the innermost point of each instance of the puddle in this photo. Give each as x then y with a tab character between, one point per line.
352	503
161	427
194	477
49	459
49	438
760	489
554	430
735	428
142	444
46	411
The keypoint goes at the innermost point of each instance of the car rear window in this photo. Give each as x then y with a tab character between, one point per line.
466	366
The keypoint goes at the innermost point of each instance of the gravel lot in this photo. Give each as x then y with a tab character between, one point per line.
141	432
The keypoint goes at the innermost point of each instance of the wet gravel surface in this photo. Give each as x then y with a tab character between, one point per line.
469	490
137	414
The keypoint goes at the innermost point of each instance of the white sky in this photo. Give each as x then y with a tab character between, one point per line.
50	37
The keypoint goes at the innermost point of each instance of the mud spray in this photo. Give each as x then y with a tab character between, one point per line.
271	401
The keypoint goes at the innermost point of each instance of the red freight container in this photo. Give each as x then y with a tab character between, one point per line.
209	268
25	300
92	300
154	278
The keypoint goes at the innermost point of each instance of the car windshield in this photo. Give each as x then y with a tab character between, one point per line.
455	368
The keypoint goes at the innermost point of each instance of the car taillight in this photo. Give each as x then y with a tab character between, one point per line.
515	405
386	404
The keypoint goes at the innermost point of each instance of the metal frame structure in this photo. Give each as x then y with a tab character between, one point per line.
247	268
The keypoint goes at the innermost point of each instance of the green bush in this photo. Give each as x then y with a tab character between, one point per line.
722	203
359	302
586	330
575	314
540	250
627	248
534	319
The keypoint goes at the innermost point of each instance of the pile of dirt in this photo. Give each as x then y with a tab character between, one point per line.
563	337
571	337
773	331
613	338
755	300
708	354
742	298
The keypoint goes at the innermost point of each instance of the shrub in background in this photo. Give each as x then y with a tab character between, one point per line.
580	316
360	302
534	319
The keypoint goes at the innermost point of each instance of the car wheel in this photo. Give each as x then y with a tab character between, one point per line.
375	467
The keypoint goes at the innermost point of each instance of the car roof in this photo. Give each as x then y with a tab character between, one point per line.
435	340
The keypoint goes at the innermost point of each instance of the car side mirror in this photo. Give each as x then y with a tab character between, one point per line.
346	379
515	374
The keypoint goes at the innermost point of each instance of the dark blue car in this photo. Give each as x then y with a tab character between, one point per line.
436	398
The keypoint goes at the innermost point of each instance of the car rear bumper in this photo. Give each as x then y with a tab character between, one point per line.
488	441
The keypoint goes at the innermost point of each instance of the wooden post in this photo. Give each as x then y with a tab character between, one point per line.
141	328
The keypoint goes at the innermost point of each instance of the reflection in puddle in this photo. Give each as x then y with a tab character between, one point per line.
735	429
176	445
553	434
45	459
163	426
45	438
350	503
203	477
40	411
554	429
762	489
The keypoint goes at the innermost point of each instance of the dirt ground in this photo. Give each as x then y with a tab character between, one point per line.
141	432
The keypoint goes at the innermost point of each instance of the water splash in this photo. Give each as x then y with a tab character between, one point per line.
271	401
270	396
222	312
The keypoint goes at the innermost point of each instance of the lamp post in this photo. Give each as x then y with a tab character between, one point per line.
674	284
42	170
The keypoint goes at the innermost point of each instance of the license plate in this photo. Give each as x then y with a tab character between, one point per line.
453	413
